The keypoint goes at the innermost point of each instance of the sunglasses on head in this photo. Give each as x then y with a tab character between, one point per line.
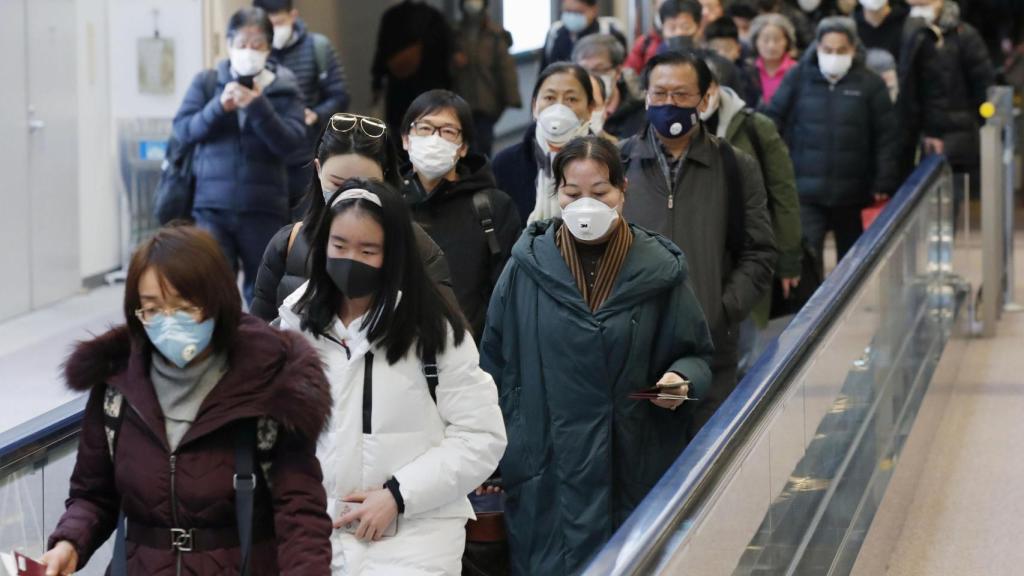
372	127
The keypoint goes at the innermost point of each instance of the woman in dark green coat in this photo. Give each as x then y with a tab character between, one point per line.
589	310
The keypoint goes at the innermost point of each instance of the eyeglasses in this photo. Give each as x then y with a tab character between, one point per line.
372	127
148	314
659	97
449	133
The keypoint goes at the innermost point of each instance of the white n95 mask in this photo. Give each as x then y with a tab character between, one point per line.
558	124
589	219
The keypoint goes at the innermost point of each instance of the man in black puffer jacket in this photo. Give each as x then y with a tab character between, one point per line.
966	61
321	78
453	196
839	122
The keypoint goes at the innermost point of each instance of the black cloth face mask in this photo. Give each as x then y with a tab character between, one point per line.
353	278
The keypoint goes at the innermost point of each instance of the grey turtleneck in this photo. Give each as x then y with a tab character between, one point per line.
181	391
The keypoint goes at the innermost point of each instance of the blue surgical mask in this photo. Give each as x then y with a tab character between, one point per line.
575	22
179	338
672	121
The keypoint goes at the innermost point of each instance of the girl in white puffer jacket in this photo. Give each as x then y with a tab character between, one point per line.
396	447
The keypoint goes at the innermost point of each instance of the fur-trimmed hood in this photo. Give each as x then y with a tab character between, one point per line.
271	373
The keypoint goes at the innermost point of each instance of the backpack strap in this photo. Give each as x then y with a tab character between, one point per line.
291	237
245	489
210	83
734	188
485	215
113	416
322	53
431	373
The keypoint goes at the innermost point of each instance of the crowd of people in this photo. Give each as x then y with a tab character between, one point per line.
431	325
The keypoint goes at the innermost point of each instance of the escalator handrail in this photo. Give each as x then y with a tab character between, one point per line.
635	546
40	432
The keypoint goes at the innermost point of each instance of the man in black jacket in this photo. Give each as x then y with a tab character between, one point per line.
453	196
965	60
709	199
321	77
843	135
415	47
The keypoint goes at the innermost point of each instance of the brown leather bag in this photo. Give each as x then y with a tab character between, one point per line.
406	62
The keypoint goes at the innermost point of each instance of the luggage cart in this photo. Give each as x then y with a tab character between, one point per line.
142	146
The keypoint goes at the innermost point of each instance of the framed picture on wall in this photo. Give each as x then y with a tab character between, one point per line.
156	65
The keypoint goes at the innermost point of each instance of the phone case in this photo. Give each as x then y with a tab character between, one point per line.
351	527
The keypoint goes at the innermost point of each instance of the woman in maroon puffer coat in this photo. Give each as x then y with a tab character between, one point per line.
192	369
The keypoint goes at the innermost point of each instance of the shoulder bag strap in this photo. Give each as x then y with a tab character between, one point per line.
734	188
430	372
245	489
485	215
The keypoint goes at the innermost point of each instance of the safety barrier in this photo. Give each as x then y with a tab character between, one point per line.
788	474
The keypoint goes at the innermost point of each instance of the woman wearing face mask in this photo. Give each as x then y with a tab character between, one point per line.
453	195
563	101
351	146
416	424
843	135
246	119
589	310
175	395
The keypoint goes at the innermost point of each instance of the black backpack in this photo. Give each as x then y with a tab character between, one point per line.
176	191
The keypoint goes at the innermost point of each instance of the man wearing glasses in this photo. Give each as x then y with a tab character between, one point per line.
709	199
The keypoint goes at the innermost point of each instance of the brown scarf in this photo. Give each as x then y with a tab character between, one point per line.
607	270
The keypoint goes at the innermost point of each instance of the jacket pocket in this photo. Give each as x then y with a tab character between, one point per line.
517	465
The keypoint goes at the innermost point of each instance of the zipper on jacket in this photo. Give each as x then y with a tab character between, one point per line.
174	507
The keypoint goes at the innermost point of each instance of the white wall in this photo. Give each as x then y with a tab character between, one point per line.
181	20
108	91
99	245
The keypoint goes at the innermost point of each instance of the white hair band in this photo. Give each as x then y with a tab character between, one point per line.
357	194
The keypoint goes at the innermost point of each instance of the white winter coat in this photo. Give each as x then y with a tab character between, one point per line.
439	453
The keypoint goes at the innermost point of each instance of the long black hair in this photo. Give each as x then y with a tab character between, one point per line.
421	315
355	141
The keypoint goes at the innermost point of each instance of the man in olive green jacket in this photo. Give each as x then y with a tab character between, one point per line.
485	73
730	119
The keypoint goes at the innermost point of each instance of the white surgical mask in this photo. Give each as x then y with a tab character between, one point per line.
873	4
473	6
809	5
282	34
834	66
926	13
713	103
246	62
432	156
589	219
597	118
558	124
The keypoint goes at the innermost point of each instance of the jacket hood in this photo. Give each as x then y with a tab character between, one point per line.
474	175
653	265
273	373
729	105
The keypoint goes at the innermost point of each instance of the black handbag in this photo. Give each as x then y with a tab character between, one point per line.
176	191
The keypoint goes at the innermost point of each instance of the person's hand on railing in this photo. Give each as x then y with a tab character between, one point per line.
61	560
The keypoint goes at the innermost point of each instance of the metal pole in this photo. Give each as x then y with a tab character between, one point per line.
1009	186
992	227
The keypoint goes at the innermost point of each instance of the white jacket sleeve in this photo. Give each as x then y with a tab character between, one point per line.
474	435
